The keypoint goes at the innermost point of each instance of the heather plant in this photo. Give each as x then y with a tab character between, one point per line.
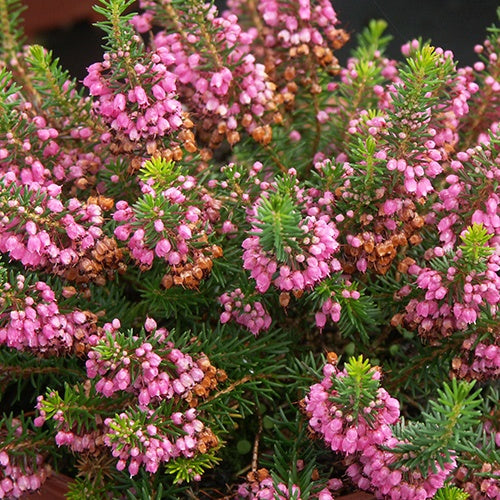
232	267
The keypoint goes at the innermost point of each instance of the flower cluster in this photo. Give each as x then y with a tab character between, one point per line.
260	485
41	231
478	359
145	106
394	211
223	94
252	315
479	487
154	370
39	151
460	203
297	41
173	225
363	433
458	286
305	27
311	245
298	30
35	322
374	472
222	168
78	438
18	475
434	316
18	481
150	444
311	264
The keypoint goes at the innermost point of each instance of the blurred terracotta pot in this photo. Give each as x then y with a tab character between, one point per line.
55	488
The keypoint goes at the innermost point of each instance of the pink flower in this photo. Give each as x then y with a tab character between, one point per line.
163	248
184	232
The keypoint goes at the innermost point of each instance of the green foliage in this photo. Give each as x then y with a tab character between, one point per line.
479	451
144	486
115	301
160	172
409	382
451	419
19	436
189	469
357	93
372	42
126	188
79	406
358	389
116	25
11	32
9	101
174	302
475	241
242	354
279	223
83	488
450	493
423	84
291	446
254	410
253	381
359	318
60	96
23	375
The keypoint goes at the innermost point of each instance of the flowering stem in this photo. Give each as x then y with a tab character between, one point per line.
275	158
200	22
317	124
255	451
230	388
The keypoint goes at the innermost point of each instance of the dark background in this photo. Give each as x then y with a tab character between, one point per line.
451	24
